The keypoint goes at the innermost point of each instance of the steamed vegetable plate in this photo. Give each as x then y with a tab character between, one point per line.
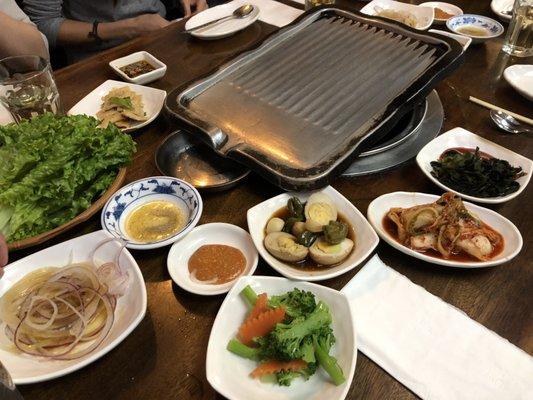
289	335
313	230
475	173
52	168
63	313
445	228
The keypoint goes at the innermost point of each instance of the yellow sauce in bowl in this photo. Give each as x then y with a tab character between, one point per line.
472	30
154	221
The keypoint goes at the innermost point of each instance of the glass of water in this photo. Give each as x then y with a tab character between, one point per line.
519	39
27	87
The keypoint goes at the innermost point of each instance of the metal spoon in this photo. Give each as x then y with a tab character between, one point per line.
238	13
508	123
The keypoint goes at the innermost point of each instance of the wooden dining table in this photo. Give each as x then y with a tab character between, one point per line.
165	356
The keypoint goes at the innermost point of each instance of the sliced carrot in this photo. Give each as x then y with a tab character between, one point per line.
260	325
260	306
274	366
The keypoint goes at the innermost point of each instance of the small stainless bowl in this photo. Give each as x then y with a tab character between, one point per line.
184	157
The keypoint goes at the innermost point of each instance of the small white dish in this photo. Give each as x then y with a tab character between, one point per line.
153	100
229	374
215	233
446	7
379	208
366	239
492	27
520	77
223	29
464	41
130	308
424	15
158	72
498	6
5	116
459	137
119	206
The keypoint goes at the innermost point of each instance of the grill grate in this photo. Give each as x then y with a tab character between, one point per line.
304	101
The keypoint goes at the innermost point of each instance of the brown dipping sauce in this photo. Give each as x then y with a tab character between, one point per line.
441	14
390	228
137	68
309	264
464	150
215	264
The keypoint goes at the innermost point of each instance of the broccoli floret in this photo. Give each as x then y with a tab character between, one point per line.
291	341
285	378
297	303
322	344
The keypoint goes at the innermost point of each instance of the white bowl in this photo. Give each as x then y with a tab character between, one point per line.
447	7
229	373
520	77
128	198
129	311
464	41
366	239
424	15
497	6
215	233
153	100
381	206
158	72
223	29
459	137
494	28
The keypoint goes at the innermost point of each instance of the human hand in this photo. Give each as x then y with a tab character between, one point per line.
193	6
147	23
3	251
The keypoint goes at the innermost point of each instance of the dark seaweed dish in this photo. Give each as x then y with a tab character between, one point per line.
472	172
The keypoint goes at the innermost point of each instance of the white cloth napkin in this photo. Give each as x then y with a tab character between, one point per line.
431	347
272	12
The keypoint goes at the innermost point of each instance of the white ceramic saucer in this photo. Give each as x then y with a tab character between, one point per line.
520	77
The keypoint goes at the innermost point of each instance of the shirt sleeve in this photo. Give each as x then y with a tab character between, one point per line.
47	15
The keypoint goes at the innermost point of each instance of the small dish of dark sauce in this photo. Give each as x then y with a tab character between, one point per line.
137	68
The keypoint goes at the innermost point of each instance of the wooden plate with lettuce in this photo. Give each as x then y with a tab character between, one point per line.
56	172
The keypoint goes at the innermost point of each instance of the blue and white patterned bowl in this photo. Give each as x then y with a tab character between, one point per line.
137	193
493	28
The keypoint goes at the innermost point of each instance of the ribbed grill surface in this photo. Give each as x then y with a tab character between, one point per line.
299	103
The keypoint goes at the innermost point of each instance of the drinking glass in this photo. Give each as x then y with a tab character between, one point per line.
519	39
27	87
315	3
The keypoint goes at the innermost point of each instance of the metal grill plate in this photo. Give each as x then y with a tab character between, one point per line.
299	107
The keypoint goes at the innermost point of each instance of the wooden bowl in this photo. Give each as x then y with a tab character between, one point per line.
84	216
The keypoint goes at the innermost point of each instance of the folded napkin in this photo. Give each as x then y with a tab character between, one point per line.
431	347
272	12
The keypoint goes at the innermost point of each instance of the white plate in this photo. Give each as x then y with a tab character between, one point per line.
223	29
216	233
153	100
229	373
521	78
155	188
424	15
5	116
447	7
459	137
464	41
129	311
497	6
366	239
158	72
381	206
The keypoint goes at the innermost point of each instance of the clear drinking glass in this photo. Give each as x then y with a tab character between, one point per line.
27	87
519	39
315	3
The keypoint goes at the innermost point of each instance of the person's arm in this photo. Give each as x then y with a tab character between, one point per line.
28	39
193	6
59	30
